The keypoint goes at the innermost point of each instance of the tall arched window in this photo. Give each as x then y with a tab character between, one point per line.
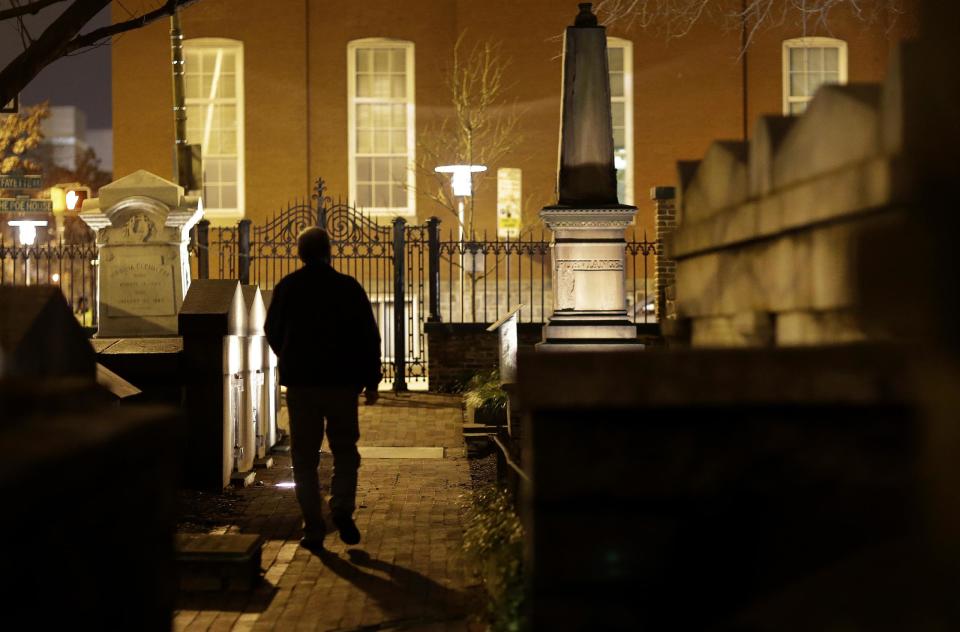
381	125
808	63
620	58
213	85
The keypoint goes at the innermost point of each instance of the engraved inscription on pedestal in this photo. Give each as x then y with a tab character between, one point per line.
138	285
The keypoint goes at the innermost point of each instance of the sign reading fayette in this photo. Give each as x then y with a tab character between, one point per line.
138	285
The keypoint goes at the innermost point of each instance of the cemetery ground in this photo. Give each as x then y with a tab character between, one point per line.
408	572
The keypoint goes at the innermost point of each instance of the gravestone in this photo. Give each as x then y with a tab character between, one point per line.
143	227
212	322
39	336
588	222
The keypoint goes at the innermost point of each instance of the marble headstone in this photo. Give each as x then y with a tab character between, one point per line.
143	227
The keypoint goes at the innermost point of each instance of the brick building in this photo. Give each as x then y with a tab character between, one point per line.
282	92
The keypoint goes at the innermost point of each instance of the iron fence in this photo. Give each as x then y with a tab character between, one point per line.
410	272
70	266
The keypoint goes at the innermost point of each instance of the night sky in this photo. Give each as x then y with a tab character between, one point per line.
82	80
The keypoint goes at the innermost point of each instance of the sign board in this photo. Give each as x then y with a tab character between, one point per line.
12	181
509	201
24	204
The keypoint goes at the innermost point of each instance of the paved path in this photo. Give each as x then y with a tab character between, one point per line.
408	571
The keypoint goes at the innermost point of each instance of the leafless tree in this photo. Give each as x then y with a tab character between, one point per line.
481	128
63	35
675	18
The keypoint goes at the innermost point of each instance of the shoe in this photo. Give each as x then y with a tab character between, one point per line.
312	542
349	534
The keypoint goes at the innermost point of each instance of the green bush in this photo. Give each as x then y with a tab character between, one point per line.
484	389
493	541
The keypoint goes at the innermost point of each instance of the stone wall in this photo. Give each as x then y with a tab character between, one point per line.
771	231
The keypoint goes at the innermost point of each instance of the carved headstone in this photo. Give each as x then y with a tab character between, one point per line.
143	227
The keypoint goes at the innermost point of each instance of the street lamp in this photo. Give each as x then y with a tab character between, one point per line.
27	234
462	180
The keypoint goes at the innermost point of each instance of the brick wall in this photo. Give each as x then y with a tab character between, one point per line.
664	200
458	350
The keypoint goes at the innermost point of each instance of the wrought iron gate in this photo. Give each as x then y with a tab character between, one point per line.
389	261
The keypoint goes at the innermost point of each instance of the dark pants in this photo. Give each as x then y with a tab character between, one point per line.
308	406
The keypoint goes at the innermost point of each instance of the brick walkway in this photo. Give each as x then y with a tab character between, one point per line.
408	571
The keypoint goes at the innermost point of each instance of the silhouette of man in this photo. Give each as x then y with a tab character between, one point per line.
321	326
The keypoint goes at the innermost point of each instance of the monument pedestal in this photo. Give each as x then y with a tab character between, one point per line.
589	262
143	227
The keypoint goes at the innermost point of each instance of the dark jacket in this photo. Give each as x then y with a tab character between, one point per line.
321	326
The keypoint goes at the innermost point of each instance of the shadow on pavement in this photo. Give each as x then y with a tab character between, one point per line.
404	593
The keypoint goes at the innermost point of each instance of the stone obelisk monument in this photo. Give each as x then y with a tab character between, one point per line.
588	220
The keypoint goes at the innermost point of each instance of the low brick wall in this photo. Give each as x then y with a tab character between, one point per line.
458	350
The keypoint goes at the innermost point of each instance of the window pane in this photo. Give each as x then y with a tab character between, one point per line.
381	141
398	144
364	195
381	169
798	59
229	63
381	116
398	170
831	77
615	57
364	87
399	60
831	59
364	116
381	195
798	84
616	84
398	196
364	141
398	86
814	59
380	85
618	110
228	197
364	59
798	107
381	60
618	137
228	87
364	169
399	116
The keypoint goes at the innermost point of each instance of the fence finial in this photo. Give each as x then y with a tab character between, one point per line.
323	201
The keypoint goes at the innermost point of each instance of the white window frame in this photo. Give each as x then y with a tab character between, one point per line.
810	42
226	215
627	99
410	102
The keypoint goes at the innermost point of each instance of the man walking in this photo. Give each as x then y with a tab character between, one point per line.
321	326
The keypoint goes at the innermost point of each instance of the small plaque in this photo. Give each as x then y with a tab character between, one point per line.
25	205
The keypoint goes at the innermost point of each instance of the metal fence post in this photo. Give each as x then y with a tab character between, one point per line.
321	198
243	251
399	307
203	249
433	236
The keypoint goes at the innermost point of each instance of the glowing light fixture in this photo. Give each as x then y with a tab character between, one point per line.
27	229
55	277
461	177
286	484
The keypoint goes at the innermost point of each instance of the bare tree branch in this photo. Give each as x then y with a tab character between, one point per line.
675	18
95	37
63	37
31	8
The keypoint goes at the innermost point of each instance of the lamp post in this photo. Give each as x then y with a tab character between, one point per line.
461	179
27	234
